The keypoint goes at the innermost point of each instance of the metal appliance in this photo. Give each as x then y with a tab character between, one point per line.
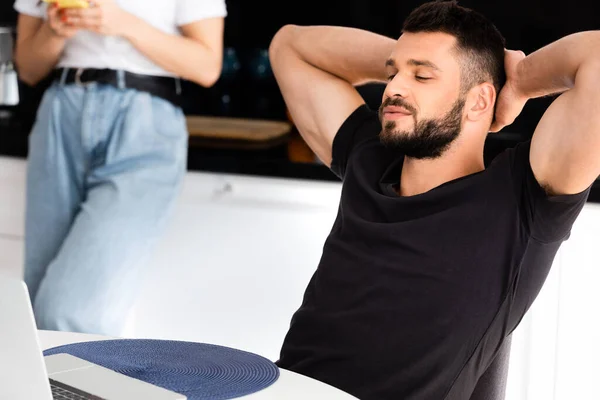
9	82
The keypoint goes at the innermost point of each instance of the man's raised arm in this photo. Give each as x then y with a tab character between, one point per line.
317	68
565	149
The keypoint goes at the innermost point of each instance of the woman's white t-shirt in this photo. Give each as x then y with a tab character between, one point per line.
90	50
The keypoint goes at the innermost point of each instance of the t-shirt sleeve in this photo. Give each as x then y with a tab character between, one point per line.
189	11
548	218
362	124
31	7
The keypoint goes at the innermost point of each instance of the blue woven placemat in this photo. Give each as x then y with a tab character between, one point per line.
197	370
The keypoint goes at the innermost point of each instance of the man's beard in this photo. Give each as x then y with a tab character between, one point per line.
430	138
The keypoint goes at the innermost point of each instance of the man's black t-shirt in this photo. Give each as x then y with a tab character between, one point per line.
414	296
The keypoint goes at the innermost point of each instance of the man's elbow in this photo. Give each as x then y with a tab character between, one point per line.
281	40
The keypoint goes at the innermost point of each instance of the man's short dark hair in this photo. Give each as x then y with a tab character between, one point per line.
479	43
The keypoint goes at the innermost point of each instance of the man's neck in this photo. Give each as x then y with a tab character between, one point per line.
420	176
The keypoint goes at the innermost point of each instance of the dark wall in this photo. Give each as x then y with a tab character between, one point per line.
7	13
526	24
246	88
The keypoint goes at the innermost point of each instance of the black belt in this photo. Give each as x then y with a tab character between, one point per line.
162	86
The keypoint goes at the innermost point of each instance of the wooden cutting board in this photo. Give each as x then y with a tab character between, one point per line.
236	129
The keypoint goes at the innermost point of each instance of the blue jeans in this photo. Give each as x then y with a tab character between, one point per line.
105	166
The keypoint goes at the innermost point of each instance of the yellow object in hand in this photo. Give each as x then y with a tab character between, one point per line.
70	3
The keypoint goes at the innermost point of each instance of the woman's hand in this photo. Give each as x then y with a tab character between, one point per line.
103	16
58	23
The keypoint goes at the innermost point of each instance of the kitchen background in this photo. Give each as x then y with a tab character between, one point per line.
253	215
247	88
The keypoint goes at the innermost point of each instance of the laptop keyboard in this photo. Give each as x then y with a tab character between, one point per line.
61	391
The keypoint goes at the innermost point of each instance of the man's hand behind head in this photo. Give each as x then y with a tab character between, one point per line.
510	100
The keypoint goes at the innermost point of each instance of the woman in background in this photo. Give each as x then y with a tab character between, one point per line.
108	150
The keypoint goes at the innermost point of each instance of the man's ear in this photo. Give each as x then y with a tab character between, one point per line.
480	102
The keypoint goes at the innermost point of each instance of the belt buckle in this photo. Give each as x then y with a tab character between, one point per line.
78	82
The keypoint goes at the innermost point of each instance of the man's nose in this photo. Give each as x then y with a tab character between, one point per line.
397	87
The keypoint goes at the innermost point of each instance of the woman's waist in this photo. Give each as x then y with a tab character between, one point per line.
165	87
108	53
101	63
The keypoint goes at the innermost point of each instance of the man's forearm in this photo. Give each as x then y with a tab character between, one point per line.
180	55
354	55
37	56
553	68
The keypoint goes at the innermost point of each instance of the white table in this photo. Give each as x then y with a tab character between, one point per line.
289	386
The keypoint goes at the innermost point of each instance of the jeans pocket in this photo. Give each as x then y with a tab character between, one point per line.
44	111
169	120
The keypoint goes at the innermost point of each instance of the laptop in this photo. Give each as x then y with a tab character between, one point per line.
25	374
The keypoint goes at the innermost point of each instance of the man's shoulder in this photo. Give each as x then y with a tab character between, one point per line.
514	155
360	126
